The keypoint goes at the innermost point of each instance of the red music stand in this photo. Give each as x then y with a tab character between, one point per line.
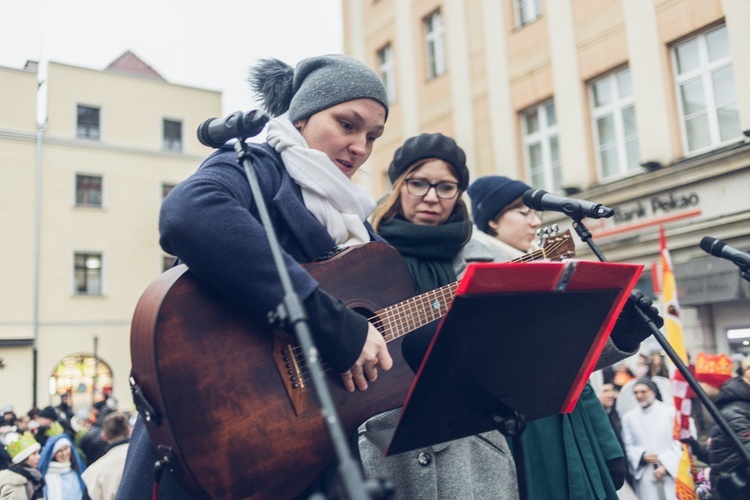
520	338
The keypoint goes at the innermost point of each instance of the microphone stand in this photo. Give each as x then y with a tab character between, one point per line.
585	235
292	311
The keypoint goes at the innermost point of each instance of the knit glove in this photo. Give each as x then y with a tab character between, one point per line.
630	330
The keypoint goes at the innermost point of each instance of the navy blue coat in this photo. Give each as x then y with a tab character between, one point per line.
211	222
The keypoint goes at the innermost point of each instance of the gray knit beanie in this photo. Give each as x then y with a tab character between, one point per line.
317	83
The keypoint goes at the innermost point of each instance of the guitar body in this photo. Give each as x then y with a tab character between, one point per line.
233	415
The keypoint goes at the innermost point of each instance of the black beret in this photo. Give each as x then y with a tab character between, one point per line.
426	146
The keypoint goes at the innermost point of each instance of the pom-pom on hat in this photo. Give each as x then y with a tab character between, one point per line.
317	83
425	146
490	195
23	447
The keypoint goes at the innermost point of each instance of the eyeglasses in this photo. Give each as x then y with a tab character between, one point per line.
443	190
529	214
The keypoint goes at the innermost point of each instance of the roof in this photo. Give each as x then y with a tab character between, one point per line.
130	64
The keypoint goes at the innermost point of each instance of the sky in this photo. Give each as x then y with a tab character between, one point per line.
205	44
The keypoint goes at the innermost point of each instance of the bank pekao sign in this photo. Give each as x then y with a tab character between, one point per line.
655	206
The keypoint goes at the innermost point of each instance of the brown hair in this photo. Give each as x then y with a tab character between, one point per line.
115	426
390	205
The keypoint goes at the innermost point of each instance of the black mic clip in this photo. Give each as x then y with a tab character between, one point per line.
215	132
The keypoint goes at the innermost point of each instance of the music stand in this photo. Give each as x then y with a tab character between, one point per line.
522	338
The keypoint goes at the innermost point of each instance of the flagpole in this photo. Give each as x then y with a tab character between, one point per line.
585	235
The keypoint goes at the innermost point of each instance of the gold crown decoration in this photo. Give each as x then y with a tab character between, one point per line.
23	447
713	369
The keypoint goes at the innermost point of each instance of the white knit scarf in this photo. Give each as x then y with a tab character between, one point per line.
335	201
53	480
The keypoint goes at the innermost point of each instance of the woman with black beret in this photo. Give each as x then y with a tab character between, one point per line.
426	219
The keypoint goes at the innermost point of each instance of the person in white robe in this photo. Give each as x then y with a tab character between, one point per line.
652	451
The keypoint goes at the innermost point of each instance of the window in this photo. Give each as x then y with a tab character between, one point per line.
88	190
541	148
88	123
88	273
613	113
172	135
526	11
165	189
387	69
433	29
706	92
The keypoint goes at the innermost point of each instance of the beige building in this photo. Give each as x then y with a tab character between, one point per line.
79	202
636	104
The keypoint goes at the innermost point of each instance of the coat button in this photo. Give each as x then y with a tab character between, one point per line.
424	459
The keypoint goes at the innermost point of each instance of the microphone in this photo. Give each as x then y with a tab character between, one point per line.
718	248
542	200
215	132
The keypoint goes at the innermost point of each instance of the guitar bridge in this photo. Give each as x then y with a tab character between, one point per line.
287	363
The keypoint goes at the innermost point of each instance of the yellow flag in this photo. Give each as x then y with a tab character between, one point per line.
685	482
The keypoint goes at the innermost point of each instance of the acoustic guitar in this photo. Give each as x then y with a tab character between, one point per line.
225	397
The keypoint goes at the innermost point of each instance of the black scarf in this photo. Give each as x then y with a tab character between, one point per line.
429	250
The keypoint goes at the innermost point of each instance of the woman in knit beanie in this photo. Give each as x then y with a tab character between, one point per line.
508	229
426	220
499	213
328	111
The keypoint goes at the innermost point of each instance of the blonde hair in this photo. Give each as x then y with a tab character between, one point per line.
390	205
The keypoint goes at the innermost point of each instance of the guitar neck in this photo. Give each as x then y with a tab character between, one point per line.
405	317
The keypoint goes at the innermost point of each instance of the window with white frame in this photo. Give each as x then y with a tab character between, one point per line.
87	124
387	71
434	45
172	137
706	92
87	273
541	147
88	190
526	11
613	114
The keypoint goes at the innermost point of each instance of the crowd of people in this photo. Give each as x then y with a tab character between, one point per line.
327	113
55	453
639	405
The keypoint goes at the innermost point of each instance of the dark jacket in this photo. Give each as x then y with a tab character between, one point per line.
211	223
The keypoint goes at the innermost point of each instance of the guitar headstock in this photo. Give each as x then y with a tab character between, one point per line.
556	245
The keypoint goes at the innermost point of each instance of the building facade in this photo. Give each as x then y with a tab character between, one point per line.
79	200
641	105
